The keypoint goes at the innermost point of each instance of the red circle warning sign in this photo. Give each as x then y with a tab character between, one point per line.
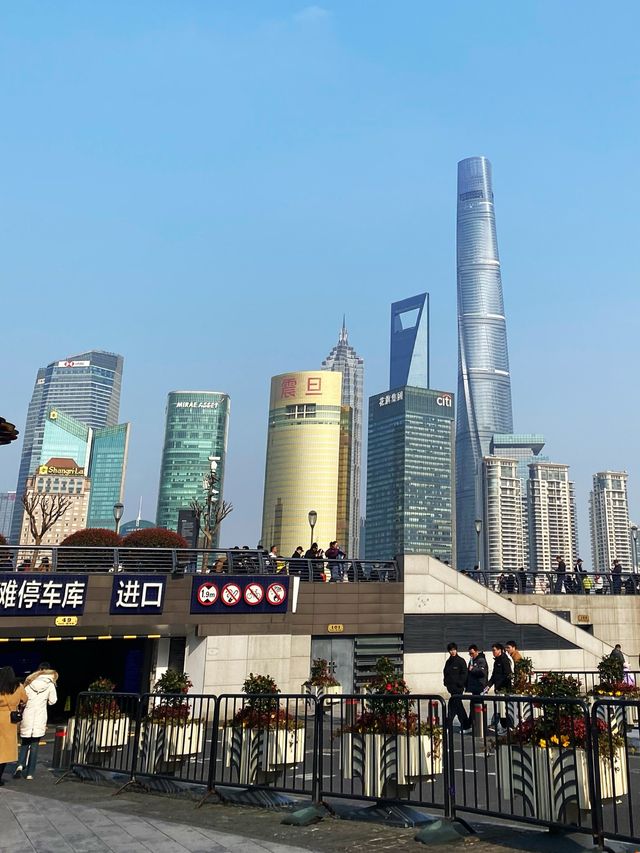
253	594
231	594
276	594
207	594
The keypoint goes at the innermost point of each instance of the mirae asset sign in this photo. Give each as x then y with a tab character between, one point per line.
207	404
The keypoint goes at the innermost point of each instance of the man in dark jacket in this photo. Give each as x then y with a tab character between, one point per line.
455	680
477	677
500	680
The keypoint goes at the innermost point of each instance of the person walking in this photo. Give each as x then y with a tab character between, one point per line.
501	680
40	688
616	577
12	693
477	677
455	681
618	654
561	574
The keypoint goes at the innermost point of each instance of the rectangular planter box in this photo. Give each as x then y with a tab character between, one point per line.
382	759
554	783
249	753
94	734
162	747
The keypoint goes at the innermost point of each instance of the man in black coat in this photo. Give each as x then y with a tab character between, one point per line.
455	680
477	677
500	680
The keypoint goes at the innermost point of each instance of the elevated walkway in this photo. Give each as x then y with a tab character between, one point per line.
441	605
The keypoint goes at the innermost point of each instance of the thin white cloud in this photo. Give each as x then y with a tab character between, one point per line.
311	14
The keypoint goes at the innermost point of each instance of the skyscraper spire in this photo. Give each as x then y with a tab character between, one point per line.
344	336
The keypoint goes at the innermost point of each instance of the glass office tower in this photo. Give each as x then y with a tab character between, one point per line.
409	361
100	453
410	497
86	387
345	360
7	506
484	381
197	426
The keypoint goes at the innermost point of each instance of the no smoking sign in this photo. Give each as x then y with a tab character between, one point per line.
231	594
237	594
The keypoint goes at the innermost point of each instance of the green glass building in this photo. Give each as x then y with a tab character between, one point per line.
410	474
101	453
197	425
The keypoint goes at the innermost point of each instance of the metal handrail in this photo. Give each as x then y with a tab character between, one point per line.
550	582
191	561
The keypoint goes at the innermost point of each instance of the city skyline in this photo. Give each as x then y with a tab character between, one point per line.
171	236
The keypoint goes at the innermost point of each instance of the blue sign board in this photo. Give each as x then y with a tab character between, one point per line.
239	594
142	595
36	594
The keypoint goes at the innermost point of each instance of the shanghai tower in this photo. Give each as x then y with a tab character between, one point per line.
484	381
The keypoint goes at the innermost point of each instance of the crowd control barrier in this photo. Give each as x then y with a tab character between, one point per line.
562	763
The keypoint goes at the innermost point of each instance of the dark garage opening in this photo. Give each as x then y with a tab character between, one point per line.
79	662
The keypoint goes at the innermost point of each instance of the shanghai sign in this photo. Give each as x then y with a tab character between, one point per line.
253	594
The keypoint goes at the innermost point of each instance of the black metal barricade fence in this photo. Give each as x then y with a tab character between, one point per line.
616	749
548	762
103	732
393	748
266	741
530	762
176	735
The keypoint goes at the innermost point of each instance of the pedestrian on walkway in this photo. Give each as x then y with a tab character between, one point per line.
561	575
455	681
477	677
11	695
616	577
501	680
336	565
40	688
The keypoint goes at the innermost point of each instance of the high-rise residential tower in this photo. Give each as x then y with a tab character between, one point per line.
345	360
86	387
409	359
197	425
484	382
504	519
609	520
553	530
303	466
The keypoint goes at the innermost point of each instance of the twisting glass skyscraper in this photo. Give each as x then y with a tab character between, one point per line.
484	382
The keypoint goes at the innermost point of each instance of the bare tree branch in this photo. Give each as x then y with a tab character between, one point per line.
43	511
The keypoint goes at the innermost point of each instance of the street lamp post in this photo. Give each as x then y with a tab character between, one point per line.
478	524
634	539
313	517
118	510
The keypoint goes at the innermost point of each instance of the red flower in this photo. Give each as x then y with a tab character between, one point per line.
389	687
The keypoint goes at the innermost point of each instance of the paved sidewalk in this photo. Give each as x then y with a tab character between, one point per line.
32	823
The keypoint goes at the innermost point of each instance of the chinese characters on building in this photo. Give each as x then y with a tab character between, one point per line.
289	387
41	595
394	397
139	595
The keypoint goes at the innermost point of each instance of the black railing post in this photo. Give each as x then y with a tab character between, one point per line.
593	771
447	764
318	737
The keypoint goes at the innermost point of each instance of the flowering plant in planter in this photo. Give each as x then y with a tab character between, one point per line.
566	732
100	707
321	675
173	708
261	709
614	682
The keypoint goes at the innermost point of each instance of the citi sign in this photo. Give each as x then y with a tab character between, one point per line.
445	400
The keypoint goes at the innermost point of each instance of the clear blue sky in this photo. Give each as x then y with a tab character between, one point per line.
205	187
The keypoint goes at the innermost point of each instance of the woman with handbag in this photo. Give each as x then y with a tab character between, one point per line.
40	688
12	699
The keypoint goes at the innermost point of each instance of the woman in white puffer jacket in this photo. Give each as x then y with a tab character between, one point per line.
41	692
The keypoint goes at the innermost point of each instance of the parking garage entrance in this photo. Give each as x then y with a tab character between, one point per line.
79	662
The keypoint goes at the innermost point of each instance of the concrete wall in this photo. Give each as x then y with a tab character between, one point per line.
229	659
431	587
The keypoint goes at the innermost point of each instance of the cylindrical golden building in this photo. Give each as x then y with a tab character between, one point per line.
303	460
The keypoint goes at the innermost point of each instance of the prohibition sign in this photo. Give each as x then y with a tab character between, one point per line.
207	594
253	594
230	594
276	594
